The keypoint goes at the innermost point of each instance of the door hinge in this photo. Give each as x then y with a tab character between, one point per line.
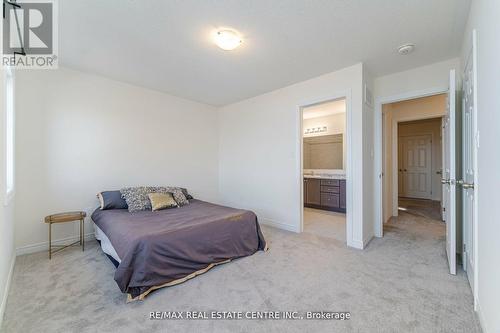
464	249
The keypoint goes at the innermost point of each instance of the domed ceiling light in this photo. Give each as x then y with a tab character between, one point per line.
227	39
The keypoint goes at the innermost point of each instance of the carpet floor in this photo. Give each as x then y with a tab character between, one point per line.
399	283
324	223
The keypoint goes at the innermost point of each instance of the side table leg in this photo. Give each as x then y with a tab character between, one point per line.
50	240
83	234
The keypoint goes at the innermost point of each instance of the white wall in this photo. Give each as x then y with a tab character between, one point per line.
78	134
265	177
484	18
421	108
7	254
368	159
433	76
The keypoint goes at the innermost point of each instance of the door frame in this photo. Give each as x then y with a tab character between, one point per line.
378	143
348	162
431	135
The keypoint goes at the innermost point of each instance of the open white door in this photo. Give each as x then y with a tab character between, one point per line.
448	179
469	174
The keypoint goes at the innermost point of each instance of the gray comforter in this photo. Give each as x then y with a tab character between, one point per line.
156	248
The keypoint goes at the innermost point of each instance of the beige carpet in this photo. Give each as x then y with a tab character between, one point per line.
324	223
400	283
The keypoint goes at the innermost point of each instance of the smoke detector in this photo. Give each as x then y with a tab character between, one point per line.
406	49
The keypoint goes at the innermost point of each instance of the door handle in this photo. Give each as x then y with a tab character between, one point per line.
448	181
465	185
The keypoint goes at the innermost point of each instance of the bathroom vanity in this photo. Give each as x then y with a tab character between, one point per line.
325	192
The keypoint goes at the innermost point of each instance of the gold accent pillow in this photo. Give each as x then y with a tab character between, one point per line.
161	201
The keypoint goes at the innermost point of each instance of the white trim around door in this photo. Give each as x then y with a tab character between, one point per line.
348	165
378	144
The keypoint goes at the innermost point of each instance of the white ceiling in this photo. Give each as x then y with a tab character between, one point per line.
165	45
324	109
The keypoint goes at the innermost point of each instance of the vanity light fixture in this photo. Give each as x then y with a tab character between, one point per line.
314	130
227	39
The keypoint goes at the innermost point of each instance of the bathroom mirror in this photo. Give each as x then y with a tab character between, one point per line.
324	152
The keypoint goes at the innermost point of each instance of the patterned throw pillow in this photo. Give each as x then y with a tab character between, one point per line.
137	197
161	201
186	193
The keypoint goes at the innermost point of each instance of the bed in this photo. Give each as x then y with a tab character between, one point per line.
157	249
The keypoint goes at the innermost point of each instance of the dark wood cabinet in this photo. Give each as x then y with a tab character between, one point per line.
330	200
342	195
328	194
312	191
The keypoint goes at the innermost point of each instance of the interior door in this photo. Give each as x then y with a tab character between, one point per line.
448	179
468	171
400	169
417	166
443	161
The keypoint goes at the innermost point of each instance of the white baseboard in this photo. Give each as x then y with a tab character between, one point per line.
482	322
7	288
357	244
279	225
367	240
44	246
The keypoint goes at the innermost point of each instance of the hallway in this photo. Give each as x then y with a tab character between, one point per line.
420	207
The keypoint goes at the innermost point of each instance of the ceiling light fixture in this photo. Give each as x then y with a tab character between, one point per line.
406	49
227	39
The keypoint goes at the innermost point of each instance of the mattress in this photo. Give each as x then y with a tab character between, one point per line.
163	248
106	245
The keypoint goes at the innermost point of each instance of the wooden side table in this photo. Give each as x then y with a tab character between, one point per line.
62	218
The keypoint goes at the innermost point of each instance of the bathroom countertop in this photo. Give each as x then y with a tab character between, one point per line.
326	176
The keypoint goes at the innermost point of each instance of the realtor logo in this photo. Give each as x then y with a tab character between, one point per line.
29	34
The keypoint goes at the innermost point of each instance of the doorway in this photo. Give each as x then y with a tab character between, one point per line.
420	167
412	156
324	138
388	116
